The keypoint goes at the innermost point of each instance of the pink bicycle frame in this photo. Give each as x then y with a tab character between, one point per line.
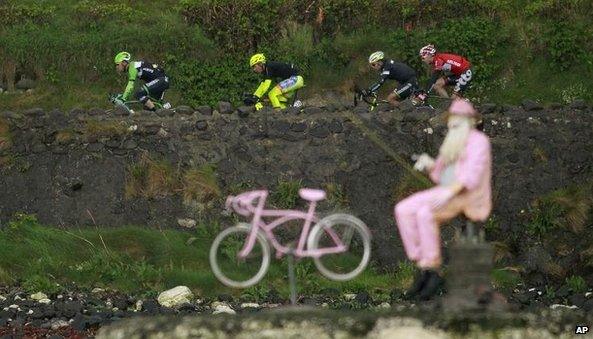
253	202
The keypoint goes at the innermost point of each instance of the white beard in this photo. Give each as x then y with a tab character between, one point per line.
454	142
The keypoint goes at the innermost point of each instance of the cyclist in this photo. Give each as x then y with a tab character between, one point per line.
156	81
289	77
447	70
398	71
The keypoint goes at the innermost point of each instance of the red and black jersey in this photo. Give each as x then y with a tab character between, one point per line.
450	64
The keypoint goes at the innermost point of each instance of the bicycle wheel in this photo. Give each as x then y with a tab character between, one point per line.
226	264
354	234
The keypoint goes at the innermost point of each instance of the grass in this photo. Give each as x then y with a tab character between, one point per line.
95	129
151	178
577	284
137	260
200	184
505	278
65	136
567	208
5	138
286	193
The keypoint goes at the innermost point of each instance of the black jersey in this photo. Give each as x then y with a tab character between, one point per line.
279	70
145	71
393	70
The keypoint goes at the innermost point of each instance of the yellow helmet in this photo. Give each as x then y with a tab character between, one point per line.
256	59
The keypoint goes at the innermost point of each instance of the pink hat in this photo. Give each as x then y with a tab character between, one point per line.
462	107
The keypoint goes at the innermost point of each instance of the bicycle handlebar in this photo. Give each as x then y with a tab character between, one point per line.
244	203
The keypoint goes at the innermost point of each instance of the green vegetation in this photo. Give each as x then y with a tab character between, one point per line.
95	129
404	276
577	284
286	193
505	278
150	178
137	260
5	138
519	49
568	208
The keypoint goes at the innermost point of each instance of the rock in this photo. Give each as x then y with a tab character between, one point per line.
487	108
83	322
96	111
360	110
205	110
175	297
298	127
577	300
162	133
563	291
201	125
555	105
588	305
349	296
165	112
95	147
9	115
59	323
68	309
225	298
384	305
34	112
524	297
151	306
130	144
121	111
559	306
250	305
185	110
312	110
225	107
75	112
25	84
38	296
220	307
244	111
531	105
39	148
320	131
335	126
292	111
578	104
205	136
45	301
363	298
186	223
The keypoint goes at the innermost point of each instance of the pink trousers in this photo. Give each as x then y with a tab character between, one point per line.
418	224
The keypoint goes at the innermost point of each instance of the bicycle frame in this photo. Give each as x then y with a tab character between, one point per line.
243	204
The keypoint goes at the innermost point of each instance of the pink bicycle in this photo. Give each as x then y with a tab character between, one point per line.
340	244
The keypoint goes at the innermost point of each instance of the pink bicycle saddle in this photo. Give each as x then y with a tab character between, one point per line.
312	194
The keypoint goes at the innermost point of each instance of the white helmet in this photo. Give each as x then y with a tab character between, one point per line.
377	56
427	50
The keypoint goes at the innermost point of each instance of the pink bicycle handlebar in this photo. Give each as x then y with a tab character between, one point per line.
244	203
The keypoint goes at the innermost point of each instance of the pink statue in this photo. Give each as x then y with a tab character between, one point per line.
462	172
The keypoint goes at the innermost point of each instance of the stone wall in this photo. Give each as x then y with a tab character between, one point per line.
71	168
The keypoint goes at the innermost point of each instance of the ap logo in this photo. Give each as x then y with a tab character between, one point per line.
581	329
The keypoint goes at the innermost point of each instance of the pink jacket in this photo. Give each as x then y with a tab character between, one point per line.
473	170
